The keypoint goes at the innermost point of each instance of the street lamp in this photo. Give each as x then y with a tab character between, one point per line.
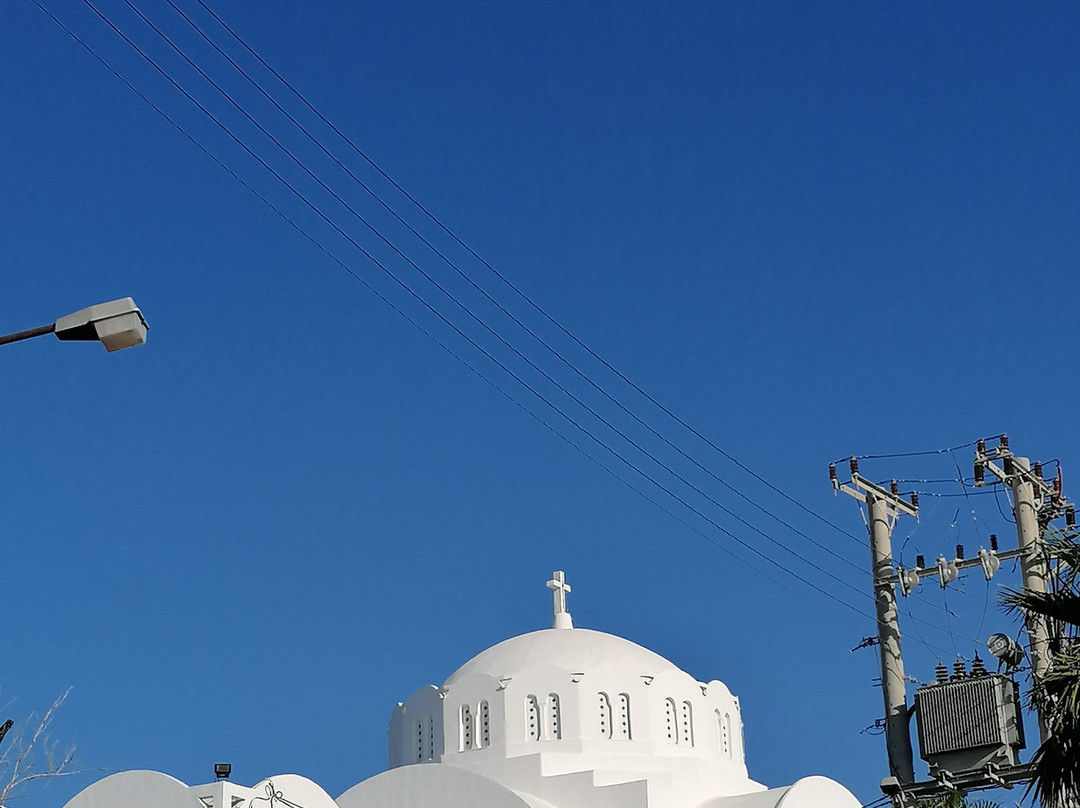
117	324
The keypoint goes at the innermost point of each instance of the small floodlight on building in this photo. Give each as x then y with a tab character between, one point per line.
222	771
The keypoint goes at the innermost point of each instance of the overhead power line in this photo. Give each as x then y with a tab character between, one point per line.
946	450
447	322
412	321
538	338
474	317
506	281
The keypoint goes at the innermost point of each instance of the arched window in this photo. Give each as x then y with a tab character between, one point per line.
686	725
532	718
466	728
725	734
605	716
622	728
671	721
485	724
554	717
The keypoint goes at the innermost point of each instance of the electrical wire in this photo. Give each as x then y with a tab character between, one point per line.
667	468
510	285
411	320
997	500
982	617
907	610
910	454
548	403
427	305
978	536
967	494
539	339
939	495
918	634
948	614
943	481
959	587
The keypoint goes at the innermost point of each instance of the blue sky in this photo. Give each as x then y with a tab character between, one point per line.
810	231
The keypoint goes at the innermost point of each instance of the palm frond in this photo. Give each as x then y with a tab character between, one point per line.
1056	693
1056	782
1063	605
1066	550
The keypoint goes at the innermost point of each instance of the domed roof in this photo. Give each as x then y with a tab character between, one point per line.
565	701
570	649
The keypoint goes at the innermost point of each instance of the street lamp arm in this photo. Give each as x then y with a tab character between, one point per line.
33	332
117	324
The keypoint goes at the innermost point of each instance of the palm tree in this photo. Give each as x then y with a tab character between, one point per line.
1056	778
955	800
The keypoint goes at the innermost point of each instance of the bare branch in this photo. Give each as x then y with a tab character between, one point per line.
17	761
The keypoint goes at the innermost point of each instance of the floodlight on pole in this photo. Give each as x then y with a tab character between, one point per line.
117	324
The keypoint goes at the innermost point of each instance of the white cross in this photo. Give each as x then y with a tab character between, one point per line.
559	587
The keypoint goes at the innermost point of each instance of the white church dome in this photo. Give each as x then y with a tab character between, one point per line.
576	704
561	718
579	650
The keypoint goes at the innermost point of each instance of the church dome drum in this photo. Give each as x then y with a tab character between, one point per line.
569	699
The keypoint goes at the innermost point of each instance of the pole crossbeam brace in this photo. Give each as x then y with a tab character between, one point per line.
959	563
861	488
1010	469
907	796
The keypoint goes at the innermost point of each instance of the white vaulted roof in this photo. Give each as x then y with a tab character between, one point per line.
572	650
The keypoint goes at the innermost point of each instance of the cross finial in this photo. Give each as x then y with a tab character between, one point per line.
559	589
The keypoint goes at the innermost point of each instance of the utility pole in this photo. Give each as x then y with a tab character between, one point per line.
954	712
884	508
1034	503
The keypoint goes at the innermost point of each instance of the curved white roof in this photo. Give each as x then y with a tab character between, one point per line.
577	649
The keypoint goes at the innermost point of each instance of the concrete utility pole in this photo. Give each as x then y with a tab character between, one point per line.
1036	503
1032	562
885	507
1030	494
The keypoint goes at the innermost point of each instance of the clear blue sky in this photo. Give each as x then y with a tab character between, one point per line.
811	230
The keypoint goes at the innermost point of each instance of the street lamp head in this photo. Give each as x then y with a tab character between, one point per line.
117	324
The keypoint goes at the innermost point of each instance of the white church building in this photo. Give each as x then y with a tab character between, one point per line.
559	718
